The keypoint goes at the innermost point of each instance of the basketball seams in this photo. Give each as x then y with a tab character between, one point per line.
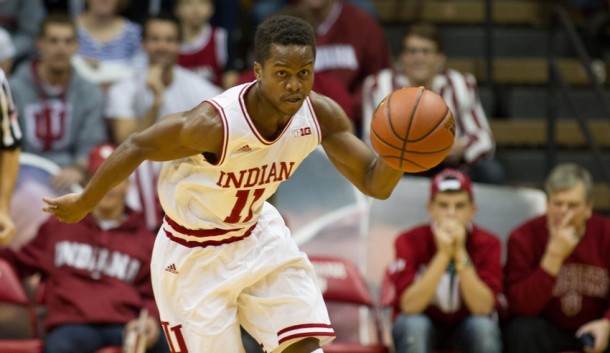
390	138
441	120
411	117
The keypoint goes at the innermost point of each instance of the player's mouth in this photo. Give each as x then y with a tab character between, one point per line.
296	99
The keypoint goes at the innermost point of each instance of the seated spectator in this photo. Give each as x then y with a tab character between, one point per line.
163	88
422	63
350	45
205	48
447	274
96	274
9	158
558	271
61	113
109	43
21	18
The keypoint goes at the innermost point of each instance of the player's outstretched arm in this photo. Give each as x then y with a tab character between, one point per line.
352	157
175	136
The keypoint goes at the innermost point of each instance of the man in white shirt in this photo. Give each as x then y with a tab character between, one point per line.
139	101
422	63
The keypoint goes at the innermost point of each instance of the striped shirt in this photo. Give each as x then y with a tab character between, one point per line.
9	126
459	92
124	47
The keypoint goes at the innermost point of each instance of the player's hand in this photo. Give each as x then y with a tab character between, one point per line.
67	208
600	329
562	236
7	229
66	178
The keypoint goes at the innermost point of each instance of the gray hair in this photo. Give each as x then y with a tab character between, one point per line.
565	176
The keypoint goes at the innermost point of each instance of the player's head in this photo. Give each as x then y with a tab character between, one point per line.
569	189
422	55
451	196
284	61
194	13
161	36
57	42
114	200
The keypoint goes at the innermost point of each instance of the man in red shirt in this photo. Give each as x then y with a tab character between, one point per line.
96	274
448	275
558	271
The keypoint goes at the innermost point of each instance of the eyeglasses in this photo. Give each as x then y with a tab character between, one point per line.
424	51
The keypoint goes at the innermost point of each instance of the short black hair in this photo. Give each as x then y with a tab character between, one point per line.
282	30
165	17
56	18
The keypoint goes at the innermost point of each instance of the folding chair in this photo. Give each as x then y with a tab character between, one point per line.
13	296
352	310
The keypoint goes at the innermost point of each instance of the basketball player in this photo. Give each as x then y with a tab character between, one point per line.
9	158
224	256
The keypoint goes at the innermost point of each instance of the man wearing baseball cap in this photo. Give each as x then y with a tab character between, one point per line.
448	276
96	273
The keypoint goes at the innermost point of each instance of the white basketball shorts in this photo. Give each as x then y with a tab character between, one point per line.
262	282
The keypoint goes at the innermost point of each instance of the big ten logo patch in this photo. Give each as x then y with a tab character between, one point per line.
304	131
328	271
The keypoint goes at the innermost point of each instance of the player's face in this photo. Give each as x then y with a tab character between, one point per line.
421	59
161	42
569	200
195	12
452	205
57	46
286	77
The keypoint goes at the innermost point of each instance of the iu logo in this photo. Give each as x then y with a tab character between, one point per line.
304	131
48	124
175	340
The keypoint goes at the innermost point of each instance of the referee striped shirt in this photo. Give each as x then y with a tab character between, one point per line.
9	126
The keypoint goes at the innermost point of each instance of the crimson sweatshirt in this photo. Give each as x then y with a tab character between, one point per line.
90	275
578	294
416	248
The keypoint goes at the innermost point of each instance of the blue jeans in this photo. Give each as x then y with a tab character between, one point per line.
418	334
89	338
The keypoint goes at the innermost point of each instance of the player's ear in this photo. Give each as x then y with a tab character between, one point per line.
257	70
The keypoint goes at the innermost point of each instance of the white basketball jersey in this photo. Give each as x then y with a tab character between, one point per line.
217	201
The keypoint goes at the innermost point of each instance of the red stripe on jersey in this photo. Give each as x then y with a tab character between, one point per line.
200	233
196	244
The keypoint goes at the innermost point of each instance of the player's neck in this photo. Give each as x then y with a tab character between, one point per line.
267	119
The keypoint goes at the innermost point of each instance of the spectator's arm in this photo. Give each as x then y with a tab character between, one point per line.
528	286
476	134
480	283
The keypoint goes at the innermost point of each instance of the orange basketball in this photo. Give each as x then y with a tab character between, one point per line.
412	129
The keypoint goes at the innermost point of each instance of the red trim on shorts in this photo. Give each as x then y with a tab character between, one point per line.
313	333
195	243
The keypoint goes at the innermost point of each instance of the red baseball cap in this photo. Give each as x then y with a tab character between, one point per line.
98	155
451	180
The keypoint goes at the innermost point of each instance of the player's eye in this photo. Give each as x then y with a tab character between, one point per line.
281	74
305	73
